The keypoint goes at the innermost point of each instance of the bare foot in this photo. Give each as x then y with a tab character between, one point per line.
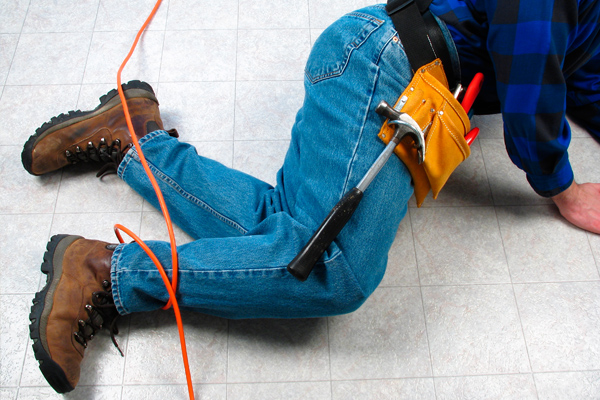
580	205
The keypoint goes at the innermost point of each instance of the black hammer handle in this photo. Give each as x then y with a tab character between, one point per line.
303	263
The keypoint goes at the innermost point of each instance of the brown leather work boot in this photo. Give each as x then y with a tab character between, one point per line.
75	303
99	135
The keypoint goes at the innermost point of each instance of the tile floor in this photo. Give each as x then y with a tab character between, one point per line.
489	294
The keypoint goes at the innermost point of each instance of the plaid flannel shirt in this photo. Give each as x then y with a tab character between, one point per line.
541	60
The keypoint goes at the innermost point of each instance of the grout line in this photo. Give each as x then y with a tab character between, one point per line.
87	58
512	284
17	45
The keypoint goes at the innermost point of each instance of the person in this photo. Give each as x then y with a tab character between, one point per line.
246	231
541	61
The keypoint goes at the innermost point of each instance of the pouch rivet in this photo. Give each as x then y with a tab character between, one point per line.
441	113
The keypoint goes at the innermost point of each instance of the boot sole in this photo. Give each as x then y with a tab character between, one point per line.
42	305
132	89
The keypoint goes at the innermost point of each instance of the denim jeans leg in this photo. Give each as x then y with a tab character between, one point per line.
239	269
204	198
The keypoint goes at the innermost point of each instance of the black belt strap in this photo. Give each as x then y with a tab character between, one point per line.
421	35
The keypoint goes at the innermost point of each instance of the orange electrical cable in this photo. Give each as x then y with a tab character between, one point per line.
171	286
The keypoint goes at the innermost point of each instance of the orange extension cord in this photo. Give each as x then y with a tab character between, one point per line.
171	286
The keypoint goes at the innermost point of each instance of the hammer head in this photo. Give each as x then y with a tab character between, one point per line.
405	125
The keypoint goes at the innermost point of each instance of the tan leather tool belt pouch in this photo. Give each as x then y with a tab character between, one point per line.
428	100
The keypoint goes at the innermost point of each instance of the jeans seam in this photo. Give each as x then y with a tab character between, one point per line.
115	259
132	154
361	134
193	199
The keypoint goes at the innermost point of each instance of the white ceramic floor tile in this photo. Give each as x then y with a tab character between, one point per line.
200	111
21	192
280	15
414	389
261	159
563	255
267	110
8	44
458	245
314	35
227	80
595	243
108	50
89	94
266	55
385	338
474	330
323	13
8	393
14	333
583	155
490	126
31	375
278	351
81	192
12	15
96	225
402	262
202	14
561	325
23	109
154	355
163	392
28	235
509	184
568	385
61	16
63	62
199	56
154	228
276	391
89	393
116	15
490	387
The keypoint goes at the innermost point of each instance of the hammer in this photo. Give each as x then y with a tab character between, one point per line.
302	265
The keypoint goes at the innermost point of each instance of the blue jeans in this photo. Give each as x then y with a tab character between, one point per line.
246	231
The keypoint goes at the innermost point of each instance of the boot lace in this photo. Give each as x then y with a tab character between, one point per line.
102	313
111	155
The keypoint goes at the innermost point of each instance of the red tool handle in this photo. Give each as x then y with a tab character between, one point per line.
472	92
471	135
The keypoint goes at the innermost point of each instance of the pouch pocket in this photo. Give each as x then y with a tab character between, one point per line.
429	102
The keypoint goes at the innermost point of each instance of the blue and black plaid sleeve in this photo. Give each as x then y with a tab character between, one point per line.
542	53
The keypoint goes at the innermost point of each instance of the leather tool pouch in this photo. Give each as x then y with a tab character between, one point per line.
428	100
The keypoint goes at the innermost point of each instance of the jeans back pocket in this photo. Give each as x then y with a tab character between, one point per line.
332	50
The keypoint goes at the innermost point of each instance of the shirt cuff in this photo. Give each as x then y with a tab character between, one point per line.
551	185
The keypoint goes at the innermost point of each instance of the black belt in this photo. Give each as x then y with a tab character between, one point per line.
421	36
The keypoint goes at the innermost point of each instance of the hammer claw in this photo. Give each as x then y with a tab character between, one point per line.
405	125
